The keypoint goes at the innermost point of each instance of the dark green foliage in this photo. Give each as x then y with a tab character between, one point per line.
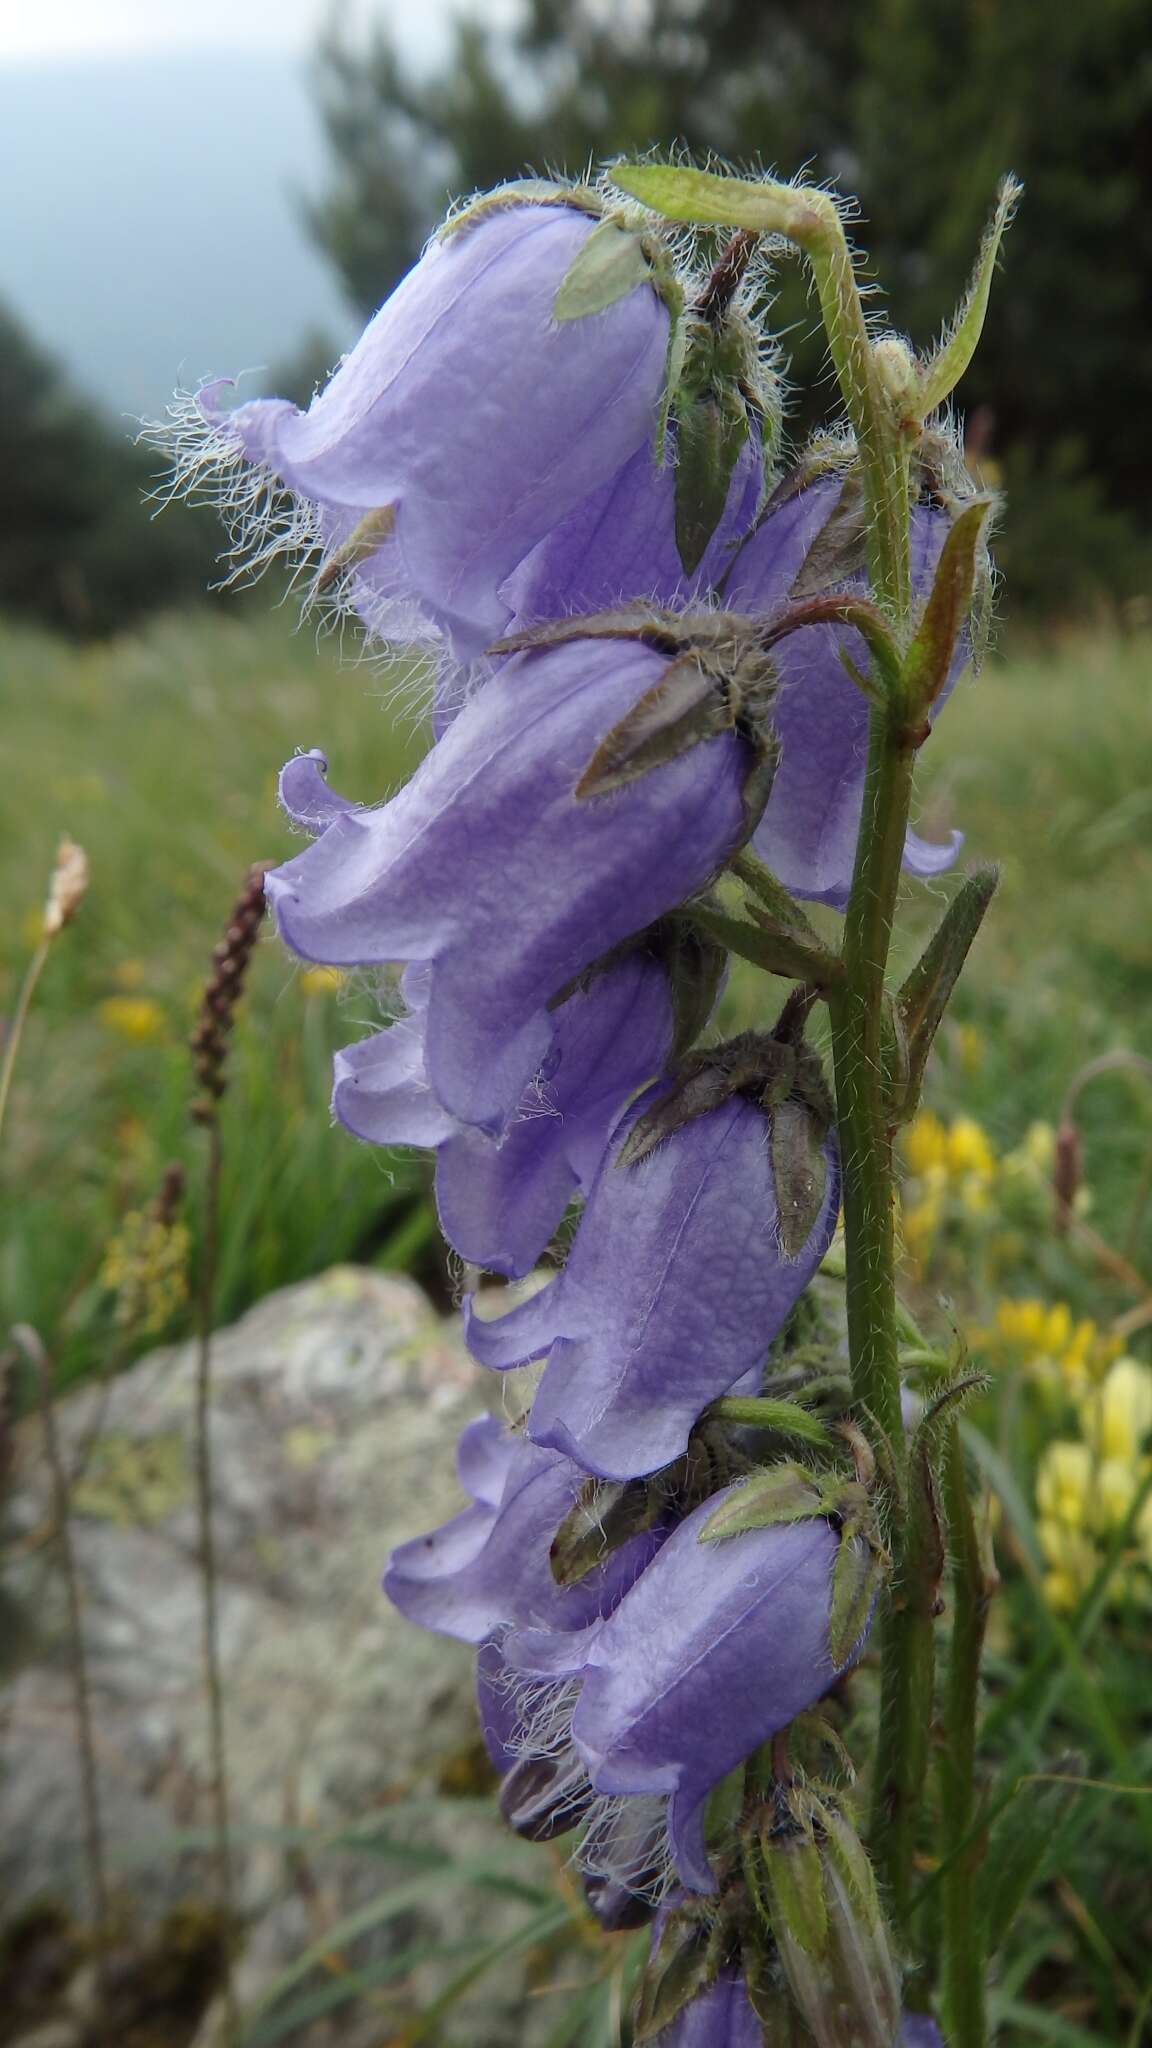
917	107
79	549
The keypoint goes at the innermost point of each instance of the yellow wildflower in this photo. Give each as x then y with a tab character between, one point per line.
968	1149
320	981
146	1268
925	1143
970	1048
1118	1415
1064	1485
136	1018
1073	1561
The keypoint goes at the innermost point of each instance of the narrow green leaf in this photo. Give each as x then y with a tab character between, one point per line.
350	1985
778	952
928	661
610	263
784	913
1028	1841
761	1412
927	990
942	373
535	1931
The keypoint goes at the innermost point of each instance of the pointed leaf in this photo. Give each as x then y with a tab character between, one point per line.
799	1173
757	1411
942	373
696	964
780	1493
610	263
777	951
685	707
780	912
929	659
1029	1839
856	1580
630	622
711	1078
927	990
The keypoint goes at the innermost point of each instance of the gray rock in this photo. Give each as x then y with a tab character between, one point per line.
335	1407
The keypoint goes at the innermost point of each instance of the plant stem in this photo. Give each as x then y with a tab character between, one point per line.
35	1351
213	1684
961	1848
20	1018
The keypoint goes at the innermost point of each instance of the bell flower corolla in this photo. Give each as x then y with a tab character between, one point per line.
620	543
499	1200
672	1292
808	833
714	1648
488	1567
468	420
489	867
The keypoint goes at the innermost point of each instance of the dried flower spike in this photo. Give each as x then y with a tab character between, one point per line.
67	888
209	1040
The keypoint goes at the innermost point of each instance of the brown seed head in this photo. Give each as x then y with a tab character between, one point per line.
230	958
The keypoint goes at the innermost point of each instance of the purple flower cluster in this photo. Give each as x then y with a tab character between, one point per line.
497	466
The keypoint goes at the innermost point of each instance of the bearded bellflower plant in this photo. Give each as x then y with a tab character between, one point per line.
681	687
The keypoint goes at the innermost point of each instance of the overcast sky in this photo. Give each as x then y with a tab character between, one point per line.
153	159
73	28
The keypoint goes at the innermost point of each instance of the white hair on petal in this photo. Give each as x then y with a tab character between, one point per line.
626	1842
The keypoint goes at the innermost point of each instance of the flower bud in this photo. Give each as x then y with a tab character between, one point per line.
829	1929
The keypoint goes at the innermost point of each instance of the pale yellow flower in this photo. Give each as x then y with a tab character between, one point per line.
321	981
969	1150
136	1018
1118	1414
1064	1485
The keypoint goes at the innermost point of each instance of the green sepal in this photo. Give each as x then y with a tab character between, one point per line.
706	199
840	548
368	534
943	371
609	264
928	661
776	1495
710	410
857	1576
680	711
752	1063
926	992
684	1962
795	1884
605	1514
799	1172
520	192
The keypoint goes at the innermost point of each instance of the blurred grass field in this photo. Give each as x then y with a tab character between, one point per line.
160	754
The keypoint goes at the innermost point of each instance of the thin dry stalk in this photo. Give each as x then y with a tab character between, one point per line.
209	1051
38	1357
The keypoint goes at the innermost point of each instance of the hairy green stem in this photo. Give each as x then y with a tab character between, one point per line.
20	1018
857	1009
962	1927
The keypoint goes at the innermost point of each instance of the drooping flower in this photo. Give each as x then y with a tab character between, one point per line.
716	1647
468	420
499	1200
488	1567
488	865
672	1292
809	829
